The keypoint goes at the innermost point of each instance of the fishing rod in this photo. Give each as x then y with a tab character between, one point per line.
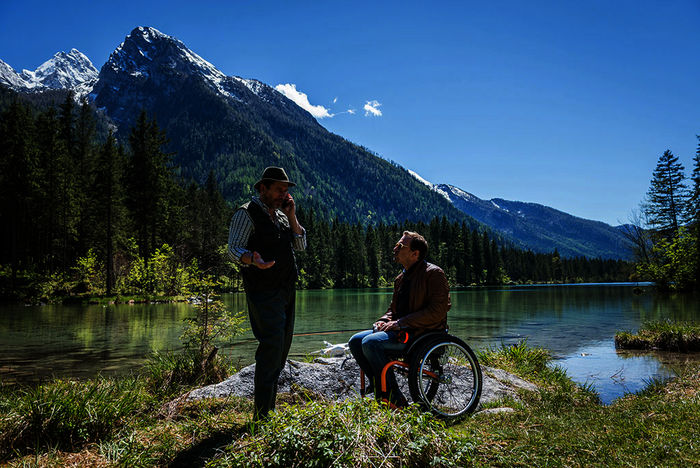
329	332
324	332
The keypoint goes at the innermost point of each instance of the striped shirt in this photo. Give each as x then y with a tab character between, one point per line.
242	227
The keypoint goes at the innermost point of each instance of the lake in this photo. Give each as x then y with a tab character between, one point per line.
576	323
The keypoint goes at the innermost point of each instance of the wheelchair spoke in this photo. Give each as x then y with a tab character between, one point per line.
448	381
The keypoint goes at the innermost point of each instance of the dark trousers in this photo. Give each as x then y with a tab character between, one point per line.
369	349
272	321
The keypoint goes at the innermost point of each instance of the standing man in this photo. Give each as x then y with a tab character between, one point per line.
420	302
262	237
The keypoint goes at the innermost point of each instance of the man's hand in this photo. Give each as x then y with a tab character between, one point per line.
260	263
386	326
289	207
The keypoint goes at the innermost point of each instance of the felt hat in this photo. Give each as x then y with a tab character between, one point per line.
274	174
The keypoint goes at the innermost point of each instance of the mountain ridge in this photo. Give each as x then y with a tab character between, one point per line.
65	70
235	127
541	227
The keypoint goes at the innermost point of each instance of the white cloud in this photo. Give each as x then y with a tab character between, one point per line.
372	108
302	100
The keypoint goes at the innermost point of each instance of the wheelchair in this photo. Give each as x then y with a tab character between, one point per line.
440	372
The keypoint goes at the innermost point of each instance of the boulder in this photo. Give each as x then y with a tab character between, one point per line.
338	378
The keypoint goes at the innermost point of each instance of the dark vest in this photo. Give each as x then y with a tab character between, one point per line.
272	242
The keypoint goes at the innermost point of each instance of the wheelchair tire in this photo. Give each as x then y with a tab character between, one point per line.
445	377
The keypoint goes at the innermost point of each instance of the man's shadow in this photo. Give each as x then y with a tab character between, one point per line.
204	450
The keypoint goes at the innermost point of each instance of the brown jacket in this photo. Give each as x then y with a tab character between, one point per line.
428	302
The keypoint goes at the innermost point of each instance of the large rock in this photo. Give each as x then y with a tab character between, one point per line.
338	379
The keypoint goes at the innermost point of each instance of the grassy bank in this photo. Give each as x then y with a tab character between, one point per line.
562	424
108	300
662	335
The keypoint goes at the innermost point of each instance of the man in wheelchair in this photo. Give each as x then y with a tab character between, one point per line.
419	304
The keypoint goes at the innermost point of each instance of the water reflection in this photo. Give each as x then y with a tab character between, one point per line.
39	342
577	323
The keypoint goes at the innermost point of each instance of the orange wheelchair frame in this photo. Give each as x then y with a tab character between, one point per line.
433	360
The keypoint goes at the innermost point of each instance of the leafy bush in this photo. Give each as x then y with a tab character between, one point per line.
90	274
162	273
673	264
349	434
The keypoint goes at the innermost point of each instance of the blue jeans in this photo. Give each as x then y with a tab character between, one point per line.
369	350
272	320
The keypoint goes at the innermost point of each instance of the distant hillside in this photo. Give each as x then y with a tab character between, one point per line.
542	228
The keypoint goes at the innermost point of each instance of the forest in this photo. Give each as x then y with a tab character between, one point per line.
666	231
84	212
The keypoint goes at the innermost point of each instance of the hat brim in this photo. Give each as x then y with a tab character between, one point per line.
289	184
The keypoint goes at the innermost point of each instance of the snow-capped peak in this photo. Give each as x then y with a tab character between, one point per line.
420	179
66	70
146	46
436	188
10	77
72	70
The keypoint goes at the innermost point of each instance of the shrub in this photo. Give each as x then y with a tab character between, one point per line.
349	434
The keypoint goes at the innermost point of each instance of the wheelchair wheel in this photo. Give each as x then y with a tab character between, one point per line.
445	377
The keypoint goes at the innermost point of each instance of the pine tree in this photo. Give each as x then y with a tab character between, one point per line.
17	179
214	224
50	173
107	212
667	196
150	179
83	162
694	212
68	188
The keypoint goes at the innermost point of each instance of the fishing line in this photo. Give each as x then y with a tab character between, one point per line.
325	332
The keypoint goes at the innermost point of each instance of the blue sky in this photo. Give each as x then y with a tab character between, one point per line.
563	103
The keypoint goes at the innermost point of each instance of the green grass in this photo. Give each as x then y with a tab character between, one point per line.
562	424
664	335
66	414
169	374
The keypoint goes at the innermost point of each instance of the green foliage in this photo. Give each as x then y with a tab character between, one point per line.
213	323
73	196
90	274
67	414
355	256
673	213
170	373
673	262
161	274
667	195
350	434
48	287
211	326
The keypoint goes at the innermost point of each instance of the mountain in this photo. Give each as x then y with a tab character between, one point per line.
540	227
235	127
72	70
